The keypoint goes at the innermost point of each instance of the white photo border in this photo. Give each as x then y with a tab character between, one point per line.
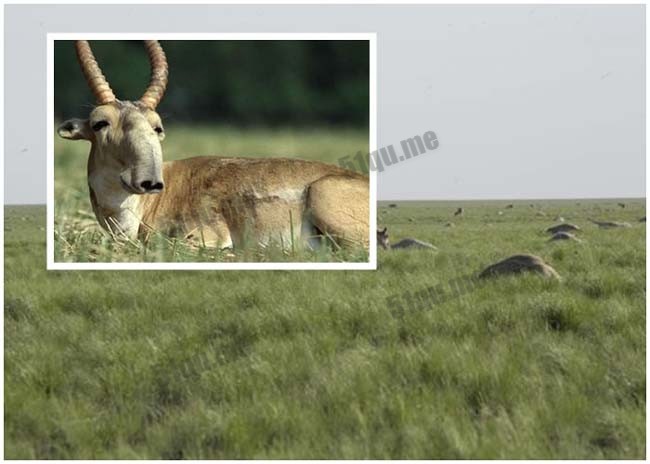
371	37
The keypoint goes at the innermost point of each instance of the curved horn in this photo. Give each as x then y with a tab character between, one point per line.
93	74
159	73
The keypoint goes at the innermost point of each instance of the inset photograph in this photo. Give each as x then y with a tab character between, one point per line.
211	151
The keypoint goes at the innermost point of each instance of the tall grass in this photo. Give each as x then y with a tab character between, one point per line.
291	364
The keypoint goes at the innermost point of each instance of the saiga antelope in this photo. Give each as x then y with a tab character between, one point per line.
384	241
227	201
610	224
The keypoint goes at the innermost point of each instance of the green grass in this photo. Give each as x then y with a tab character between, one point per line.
292	364
78	237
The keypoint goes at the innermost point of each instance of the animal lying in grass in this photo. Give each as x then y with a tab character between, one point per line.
563	236
517	264
228	202
610	224
384	242
563	228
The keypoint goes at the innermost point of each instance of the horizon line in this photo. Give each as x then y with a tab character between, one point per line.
520	199
451	199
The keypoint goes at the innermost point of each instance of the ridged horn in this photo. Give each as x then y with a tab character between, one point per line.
159	74
93	74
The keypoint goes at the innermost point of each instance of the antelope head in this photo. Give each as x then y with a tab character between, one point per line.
382	238
125	136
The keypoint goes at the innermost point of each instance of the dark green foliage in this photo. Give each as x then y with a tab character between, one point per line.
266	83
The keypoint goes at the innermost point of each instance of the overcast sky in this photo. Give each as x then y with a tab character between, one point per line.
527	101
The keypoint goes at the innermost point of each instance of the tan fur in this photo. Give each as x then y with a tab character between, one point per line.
237	201
520	263
338	205
232	201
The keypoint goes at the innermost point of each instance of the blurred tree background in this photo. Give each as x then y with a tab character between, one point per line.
260	83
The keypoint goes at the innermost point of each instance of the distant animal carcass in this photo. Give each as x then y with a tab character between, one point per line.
510	206
610	224
563	236
459	212
566	227
519	264
622	205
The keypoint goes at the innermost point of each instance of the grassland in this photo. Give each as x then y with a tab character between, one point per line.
292	364
78	237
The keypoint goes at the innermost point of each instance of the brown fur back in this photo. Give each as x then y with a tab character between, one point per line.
240	196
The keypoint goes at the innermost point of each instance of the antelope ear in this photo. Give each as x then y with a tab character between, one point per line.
384	231
75	129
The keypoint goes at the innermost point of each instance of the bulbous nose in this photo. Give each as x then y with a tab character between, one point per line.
152	186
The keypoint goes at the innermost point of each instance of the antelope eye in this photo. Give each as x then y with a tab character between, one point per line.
159	130
99	125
